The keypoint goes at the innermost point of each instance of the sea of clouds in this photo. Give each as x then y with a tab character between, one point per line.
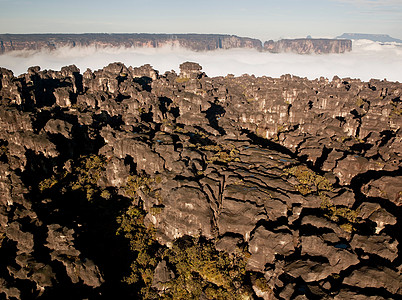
367	60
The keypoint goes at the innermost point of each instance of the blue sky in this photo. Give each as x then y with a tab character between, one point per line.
263	19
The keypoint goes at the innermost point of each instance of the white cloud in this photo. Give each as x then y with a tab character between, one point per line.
367	60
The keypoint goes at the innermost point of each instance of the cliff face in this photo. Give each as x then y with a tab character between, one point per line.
196	42
308	46
193	187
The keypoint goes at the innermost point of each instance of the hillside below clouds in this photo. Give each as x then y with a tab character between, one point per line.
123	183
196	42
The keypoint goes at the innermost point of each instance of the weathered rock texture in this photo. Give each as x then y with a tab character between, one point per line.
304	176
197	42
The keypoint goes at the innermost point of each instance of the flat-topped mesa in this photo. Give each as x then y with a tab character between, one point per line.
196	42
309	46
382	38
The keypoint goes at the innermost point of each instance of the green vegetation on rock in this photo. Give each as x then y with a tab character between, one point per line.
141	237
308	179
82	177
223	153
396	110
346	218
261	283
311	182
48	183
201	269
182	79
143	246
135	183
198	267
4	154
220	153
2	236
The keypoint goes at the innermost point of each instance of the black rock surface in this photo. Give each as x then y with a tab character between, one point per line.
123	182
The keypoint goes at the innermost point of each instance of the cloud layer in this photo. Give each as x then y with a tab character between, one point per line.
367	60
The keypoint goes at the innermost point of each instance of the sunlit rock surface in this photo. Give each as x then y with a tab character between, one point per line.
304	175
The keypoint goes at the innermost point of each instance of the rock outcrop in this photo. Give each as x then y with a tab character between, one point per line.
185	186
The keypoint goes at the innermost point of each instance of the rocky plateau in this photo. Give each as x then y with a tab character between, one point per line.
123	183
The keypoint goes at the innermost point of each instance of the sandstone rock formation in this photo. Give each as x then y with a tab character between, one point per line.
308	46
196	42
187	186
